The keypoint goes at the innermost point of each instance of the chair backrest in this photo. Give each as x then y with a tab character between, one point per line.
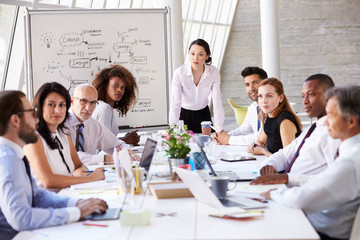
355	231
239	111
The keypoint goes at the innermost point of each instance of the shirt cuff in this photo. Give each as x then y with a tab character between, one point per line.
97	159
232	140
72	202
296	179
74	214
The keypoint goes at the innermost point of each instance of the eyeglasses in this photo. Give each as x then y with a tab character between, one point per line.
32	110
85	102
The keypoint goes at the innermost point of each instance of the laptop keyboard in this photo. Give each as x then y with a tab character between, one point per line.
228	203
229	174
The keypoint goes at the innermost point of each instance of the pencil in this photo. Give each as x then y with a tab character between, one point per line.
94	224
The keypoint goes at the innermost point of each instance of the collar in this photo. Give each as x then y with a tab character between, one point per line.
18	150
349	144
72	119
189	71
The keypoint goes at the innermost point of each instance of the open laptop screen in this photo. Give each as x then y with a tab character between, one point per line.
148	153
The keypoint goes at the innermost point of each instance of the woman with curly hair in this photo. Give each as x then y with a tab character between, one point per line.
117	89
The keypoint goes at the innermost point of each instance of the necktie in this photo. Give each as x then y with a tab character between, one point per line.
311	129
27	168
258	122
79	145
60	147
336	154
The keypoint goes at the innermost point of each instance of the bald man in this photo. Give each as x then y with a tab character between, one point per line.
94	142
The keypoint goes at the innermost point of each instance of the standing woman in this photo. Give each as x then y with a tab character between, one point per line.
117	89
280	124
53	157
191	86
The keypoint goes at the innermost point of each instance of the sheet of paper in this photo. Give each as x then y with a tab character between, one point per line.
78	231
103	184
125	162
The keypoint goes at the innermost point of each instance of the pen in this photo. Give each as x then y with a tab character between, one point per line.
104	170
260	200
216	130
95	224
254	211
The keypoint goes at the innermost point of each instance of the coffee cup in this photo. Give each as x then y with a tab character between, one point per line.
219	186
205	128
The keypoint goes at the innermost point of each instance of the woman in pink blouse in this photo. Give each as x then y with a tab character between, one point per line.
191	87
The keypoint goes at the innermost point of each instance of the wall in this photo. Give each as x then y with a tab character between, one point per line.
315	37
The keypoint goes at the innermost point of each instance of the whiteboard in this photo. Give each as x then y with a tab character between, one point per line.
71	46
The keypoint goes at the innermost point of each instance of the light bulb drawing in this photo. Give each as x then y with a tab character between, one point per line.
47	41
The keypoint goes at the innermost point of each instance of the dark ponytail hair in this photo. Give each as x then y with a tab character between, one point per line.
205	45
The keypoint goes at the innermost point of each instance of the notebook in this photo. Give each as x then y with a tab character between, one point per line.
202	193
233	175
148	153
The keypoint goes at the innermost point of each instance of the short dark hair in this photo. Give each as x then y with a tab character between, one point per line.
205	45
10	103
324	80
348	98
101	83
39	100
254	70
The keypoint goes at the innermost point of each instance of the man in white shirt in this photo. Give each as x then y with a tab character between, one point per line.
331	198
249	130
95	136
24	205
300	159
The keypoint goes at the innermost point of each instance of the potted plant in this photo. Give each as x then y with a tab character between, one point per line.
177	140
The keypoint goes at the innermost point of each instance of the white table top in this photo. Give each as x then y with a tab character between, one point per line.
183	218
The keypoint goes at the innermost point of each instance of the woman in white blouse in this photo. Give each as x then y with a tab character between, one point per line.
191	87
53	157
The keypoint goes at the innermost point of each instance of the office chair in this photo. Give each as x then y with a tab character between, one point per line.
240	111
355	231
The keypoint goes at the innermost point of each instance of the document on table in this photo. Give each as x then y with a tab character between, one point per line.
77	231
254	191
103	184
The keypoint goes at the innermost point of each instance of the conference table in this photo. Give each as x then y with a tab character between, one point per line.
182	218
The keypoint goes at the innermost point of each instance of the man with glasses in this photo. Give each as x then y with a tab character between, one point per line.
23	205
88	135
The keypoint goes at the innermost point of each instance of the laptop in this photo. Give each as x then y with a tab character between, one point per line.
110	214
233	176
148	153
202	193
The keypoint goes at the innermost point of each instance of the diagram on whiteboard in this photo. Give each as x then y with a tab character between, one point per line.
83	50
71	48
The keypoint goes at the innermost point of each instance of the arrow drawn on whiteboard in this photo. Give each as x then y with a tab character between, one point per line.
64	76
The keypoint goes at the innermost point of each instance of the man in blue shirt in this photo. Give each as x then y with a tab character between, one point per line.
23	205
